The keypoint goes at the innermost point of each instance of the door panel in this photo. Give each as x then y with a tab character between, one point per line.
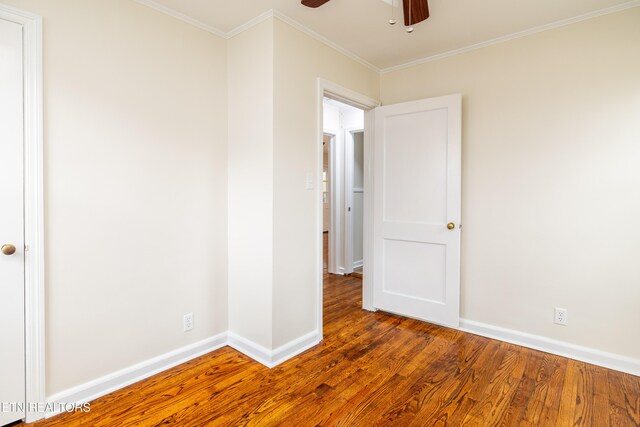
12	367
417	154
415	269
419	167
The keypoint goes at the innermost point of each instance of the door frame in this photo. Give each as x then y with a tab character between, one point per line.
326	88
33	208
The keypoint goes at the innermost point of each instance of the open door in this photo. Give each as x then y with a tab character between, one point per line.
417	183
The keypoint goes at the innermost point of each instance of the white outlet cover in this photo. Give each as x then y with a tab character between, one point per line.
561	317
188	322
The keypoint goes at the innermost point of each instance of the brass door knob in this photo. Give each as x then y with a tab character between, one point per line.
8	249
451	226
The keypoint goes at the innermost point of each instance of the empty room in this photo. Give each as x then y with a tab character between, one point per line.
320	212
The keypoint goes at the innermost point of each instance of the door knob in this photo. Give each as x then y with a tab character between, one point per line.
451	226
8	249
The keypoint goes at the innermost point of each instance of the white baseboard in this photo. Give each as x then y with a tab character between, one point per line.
99	387
109	383
357	264
548	345
249	348
295	347
271	358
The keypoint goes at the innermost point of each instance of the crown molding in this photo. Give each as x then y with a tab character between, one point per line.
297	25
250	24
182	17
517	35
273	13
300	27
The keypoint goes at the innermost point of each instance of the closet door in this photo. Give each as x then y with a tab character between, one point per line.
12	353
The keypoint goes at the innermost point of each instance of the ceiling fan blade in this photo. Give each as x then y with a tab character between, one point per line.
314	3
419	11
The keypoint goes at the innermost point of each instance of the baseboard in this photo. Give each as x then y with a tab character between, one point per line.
548	345
109	383
295	347
249	348
271	358
357	264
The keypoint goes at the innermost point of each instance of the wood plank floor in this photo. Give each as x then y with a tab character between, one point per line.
376	369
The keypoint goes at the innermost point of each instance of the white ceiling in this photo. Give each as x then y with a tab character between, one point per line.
360	26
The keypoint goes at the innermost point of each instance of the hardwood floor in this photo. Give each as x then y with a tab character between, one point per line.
376	369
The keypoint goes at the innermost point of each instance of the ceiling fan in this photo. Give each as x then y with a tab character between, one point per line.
414	10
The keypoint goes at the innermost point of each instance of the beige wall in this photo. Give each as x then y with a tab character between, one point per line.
273	71
298	62
551	132
251	146
135	185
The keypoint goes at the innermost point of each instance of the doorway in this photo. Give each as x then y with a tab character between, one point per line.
343	141
411	245
343	194
334	250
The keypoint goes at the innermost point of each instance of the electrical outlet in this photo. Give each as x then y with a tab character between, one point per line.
561	317
188	322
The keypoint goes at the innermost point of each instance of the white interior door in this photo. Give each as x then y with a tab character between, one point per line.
354	198
417	155
12	359
357	202
326	212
